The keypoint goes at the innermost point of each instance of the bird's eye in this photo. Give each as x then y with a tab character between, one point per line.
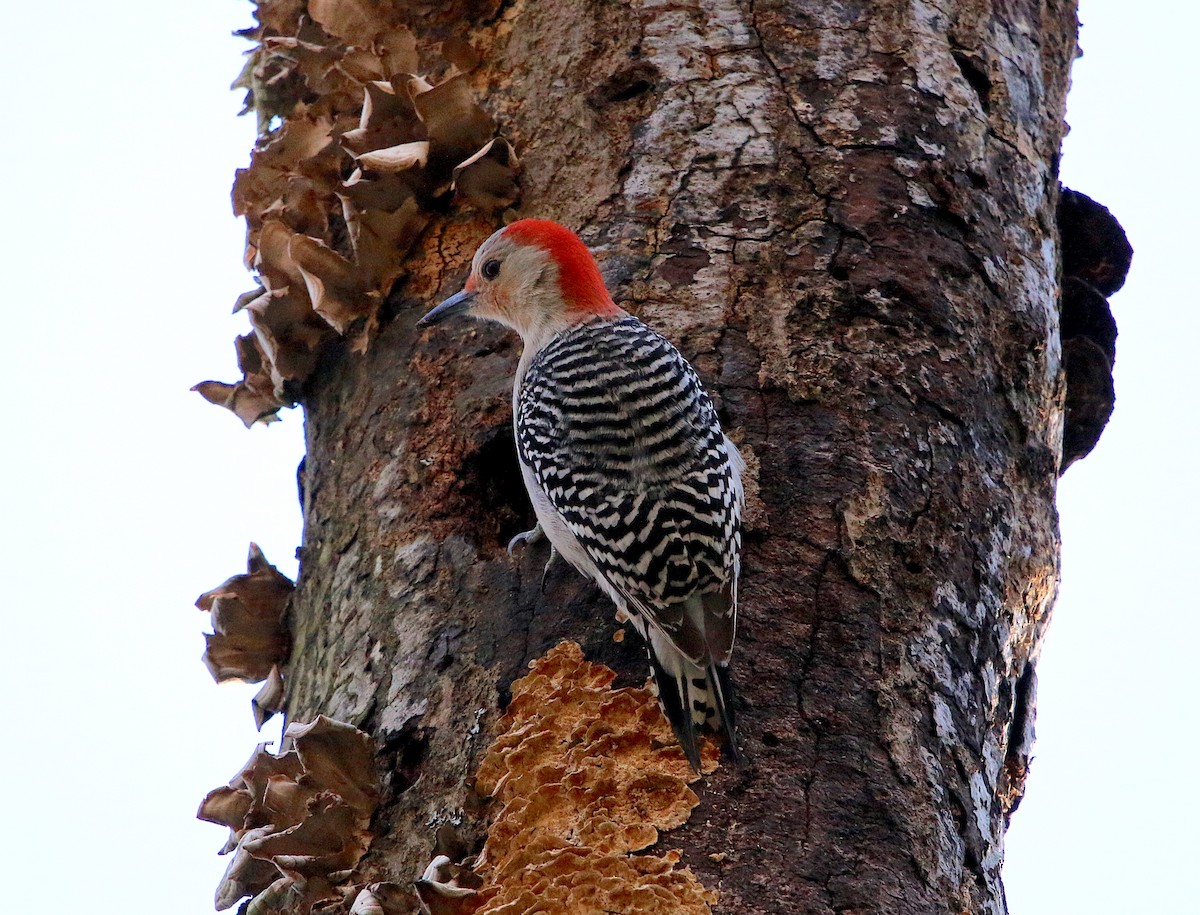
491	270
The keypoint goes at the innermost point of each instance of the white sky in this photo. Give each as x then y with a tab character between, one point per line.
127	495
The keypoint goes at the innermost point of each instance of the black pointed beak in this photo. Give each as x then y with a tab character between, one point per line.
458	304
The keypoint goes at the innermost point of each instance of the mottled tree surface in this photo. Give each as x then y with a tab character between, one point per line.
843	213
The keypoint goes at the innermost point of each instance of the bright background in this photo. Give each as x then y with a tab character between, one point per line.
126	495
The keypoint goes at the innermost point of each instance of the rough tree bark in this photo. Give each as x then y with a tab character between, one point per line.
843	213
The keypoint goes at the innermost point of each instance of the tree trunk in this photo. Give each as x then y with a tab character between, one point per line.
843	214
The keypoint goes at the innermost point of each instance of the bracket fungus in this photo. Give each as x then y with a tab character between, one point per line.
250	638
446	888
585	776
356	153
1096	257
1094	246
269	700
384	898
298	822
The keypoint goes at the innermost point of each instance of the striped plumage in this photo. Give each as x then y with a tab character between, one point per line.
623	442
630	475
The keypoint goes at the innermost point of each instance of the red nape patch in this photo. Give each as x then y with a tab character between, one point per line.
582	286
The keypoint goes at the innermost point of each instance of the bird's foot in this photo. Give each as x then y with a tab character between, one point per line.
549	562
530	536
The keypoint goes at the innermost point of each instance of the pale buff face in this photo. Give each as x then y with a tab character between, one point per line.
536	277
515	285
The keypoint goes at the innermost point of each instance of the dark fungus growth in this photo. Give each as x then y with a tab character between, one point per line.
1096	256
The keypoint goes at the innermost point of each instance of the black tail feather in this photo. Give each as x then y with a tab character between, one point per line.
721	689
677	697
675	705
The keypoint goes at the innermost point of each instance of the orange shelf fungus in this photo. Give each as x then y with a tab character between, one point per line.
585	776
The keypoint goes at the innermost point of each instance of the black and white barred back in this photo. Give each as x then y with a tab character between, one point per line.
625	443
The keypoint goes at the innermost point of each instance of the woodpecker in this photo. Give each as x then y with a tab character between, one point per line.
622	453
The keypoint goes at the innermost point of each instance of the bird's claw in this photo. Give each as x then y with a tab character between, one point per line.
549	562
530	536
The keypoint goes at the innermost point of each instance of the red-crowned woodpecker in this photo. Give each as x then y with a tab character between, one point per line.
631	478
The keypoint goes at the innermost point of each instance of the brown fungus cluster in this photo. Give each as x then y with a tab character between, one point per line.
250	637
384	898
585	776
298	822
356	150
1096	257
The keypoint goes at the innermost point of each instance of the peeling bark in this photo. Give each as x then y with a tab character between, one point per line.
844	215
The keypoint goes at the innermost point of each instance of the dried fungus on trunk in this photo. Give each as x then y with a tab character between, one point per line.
249	639
298	821
845	217
356	154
